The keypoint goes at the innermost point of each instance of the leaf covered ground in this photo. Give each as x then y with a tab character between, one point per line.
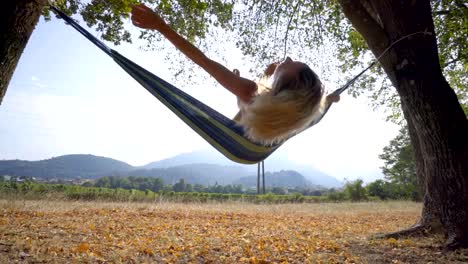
64	232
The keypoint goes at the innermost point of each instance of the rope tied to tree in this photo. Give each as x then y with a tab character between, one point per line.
350	82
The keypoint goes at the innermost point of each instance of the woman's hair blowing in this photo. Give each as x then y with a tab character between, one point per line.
284	110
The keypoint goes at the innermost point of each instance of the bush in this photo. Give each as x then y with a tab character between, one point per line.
355	191
335	196
30	190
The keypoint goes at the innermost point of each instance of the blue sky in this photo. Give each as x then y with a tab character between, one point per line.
68	97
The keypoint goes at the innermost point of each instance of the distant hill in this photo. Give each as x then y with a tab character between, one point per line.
196	157
201	167
272	164
289	178
64	167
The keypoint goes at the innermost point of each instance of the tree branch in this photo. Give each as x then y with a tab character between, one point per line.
367	5
366	25
441	12
461	4
278	19
287	29
451	62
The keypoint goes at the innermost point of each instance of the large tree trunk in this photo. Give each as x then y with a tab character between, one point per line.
437	123
429	221
430	218
17	21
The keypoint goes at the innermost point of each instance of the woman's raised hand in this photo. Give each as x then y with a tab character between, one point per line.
145	17
270	69
333	98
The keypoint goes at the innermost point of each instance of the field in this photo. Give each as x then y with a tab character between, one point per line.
96	232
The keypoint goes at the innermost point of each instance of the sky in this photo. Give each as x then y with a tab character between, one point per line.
68	97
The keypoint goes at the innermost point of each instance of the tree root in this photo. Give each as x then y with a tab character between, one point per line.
456	240
415	230
454	245
423	227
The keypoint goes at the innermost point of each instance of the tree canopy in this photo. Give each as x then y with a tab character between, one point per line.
317	32
304	26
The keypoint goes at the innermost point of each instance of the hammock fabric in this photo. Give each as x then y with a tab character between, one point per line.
221	132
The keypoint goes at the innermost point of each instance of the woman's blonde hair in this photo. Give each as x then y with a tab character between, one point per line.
283	110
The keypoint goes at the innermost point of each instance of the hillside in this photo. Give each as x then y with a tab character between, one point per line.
64	167
273	164
195	157
201	167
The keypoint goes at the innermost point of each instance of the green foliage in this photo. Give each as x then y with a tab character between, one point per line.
379	189
108	16
451	23
355	191
181	186
75	192
336	196
138	183
191	18
399	158
157	185
400	168
278	190
388	190
269	28
316	31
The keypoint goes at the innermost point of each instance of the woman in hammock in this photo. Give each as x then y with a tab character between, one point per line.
269	113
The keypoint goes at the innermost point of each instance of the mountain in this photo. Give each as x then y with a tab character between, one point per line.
64	167
317	177
278	162
200	167
272	164
289	178
196	157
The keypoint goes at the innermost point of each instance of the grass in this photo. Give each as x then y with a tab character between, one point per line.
164	232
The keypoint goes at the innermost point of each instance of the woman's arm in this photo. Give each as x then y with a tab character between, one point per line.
245	89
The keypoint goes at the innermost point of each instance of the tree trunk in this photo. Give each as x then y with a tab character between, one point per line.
437	123
429	215
429	221
442	132
17	21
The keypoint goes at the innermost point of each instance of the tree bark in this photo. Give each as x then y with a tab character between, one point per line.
429	215
429	222
17	21
437	123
